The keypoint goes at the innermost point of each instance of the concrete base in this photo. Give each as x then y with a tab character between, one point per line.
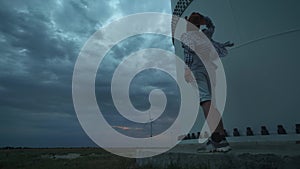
223	161
244	155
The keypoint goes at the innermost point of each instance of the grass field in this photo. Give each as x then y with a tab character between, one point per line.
84	158
90	158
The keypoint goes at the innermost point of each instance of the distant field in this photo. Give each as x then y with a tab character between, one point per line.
85	158
66	158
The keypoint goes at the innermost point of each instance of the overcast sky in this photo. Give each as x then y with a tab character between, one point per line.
40	41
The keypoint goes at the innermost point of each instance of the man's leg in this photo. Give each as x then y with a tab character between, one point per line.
217	141
206	106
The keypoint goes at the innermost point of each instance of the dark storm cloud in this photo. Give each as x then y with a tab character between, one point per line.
141	85
39	44
37	58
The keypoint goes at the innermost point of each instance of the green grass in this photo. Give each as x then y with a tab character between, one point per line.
91	158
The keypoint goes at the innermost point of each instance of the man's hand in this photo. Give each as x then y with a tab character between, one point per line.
188	75
228	44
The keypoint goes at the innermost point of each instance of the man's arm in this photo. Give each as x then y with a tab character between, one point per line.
210	27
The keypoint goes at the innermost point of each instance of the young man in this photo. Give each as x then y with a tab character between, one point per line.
191	43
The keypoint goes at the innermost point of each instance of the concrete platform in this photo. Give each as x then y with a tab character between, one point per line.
257	152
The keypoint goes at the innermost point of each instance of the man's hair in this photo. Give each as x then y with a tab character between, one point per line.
195	18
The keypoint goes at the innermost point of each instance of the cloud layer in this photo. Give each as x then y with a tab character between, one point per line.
39	44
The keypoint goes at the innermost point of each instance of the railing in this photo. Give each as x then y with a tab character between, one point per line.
236	133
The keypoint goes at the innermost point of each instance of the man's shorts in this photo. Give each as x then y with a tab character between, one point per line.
204	85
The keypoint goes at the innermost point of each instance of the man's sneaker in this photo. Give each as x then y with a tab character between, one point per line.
213	146
222	146
207	147
220	142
